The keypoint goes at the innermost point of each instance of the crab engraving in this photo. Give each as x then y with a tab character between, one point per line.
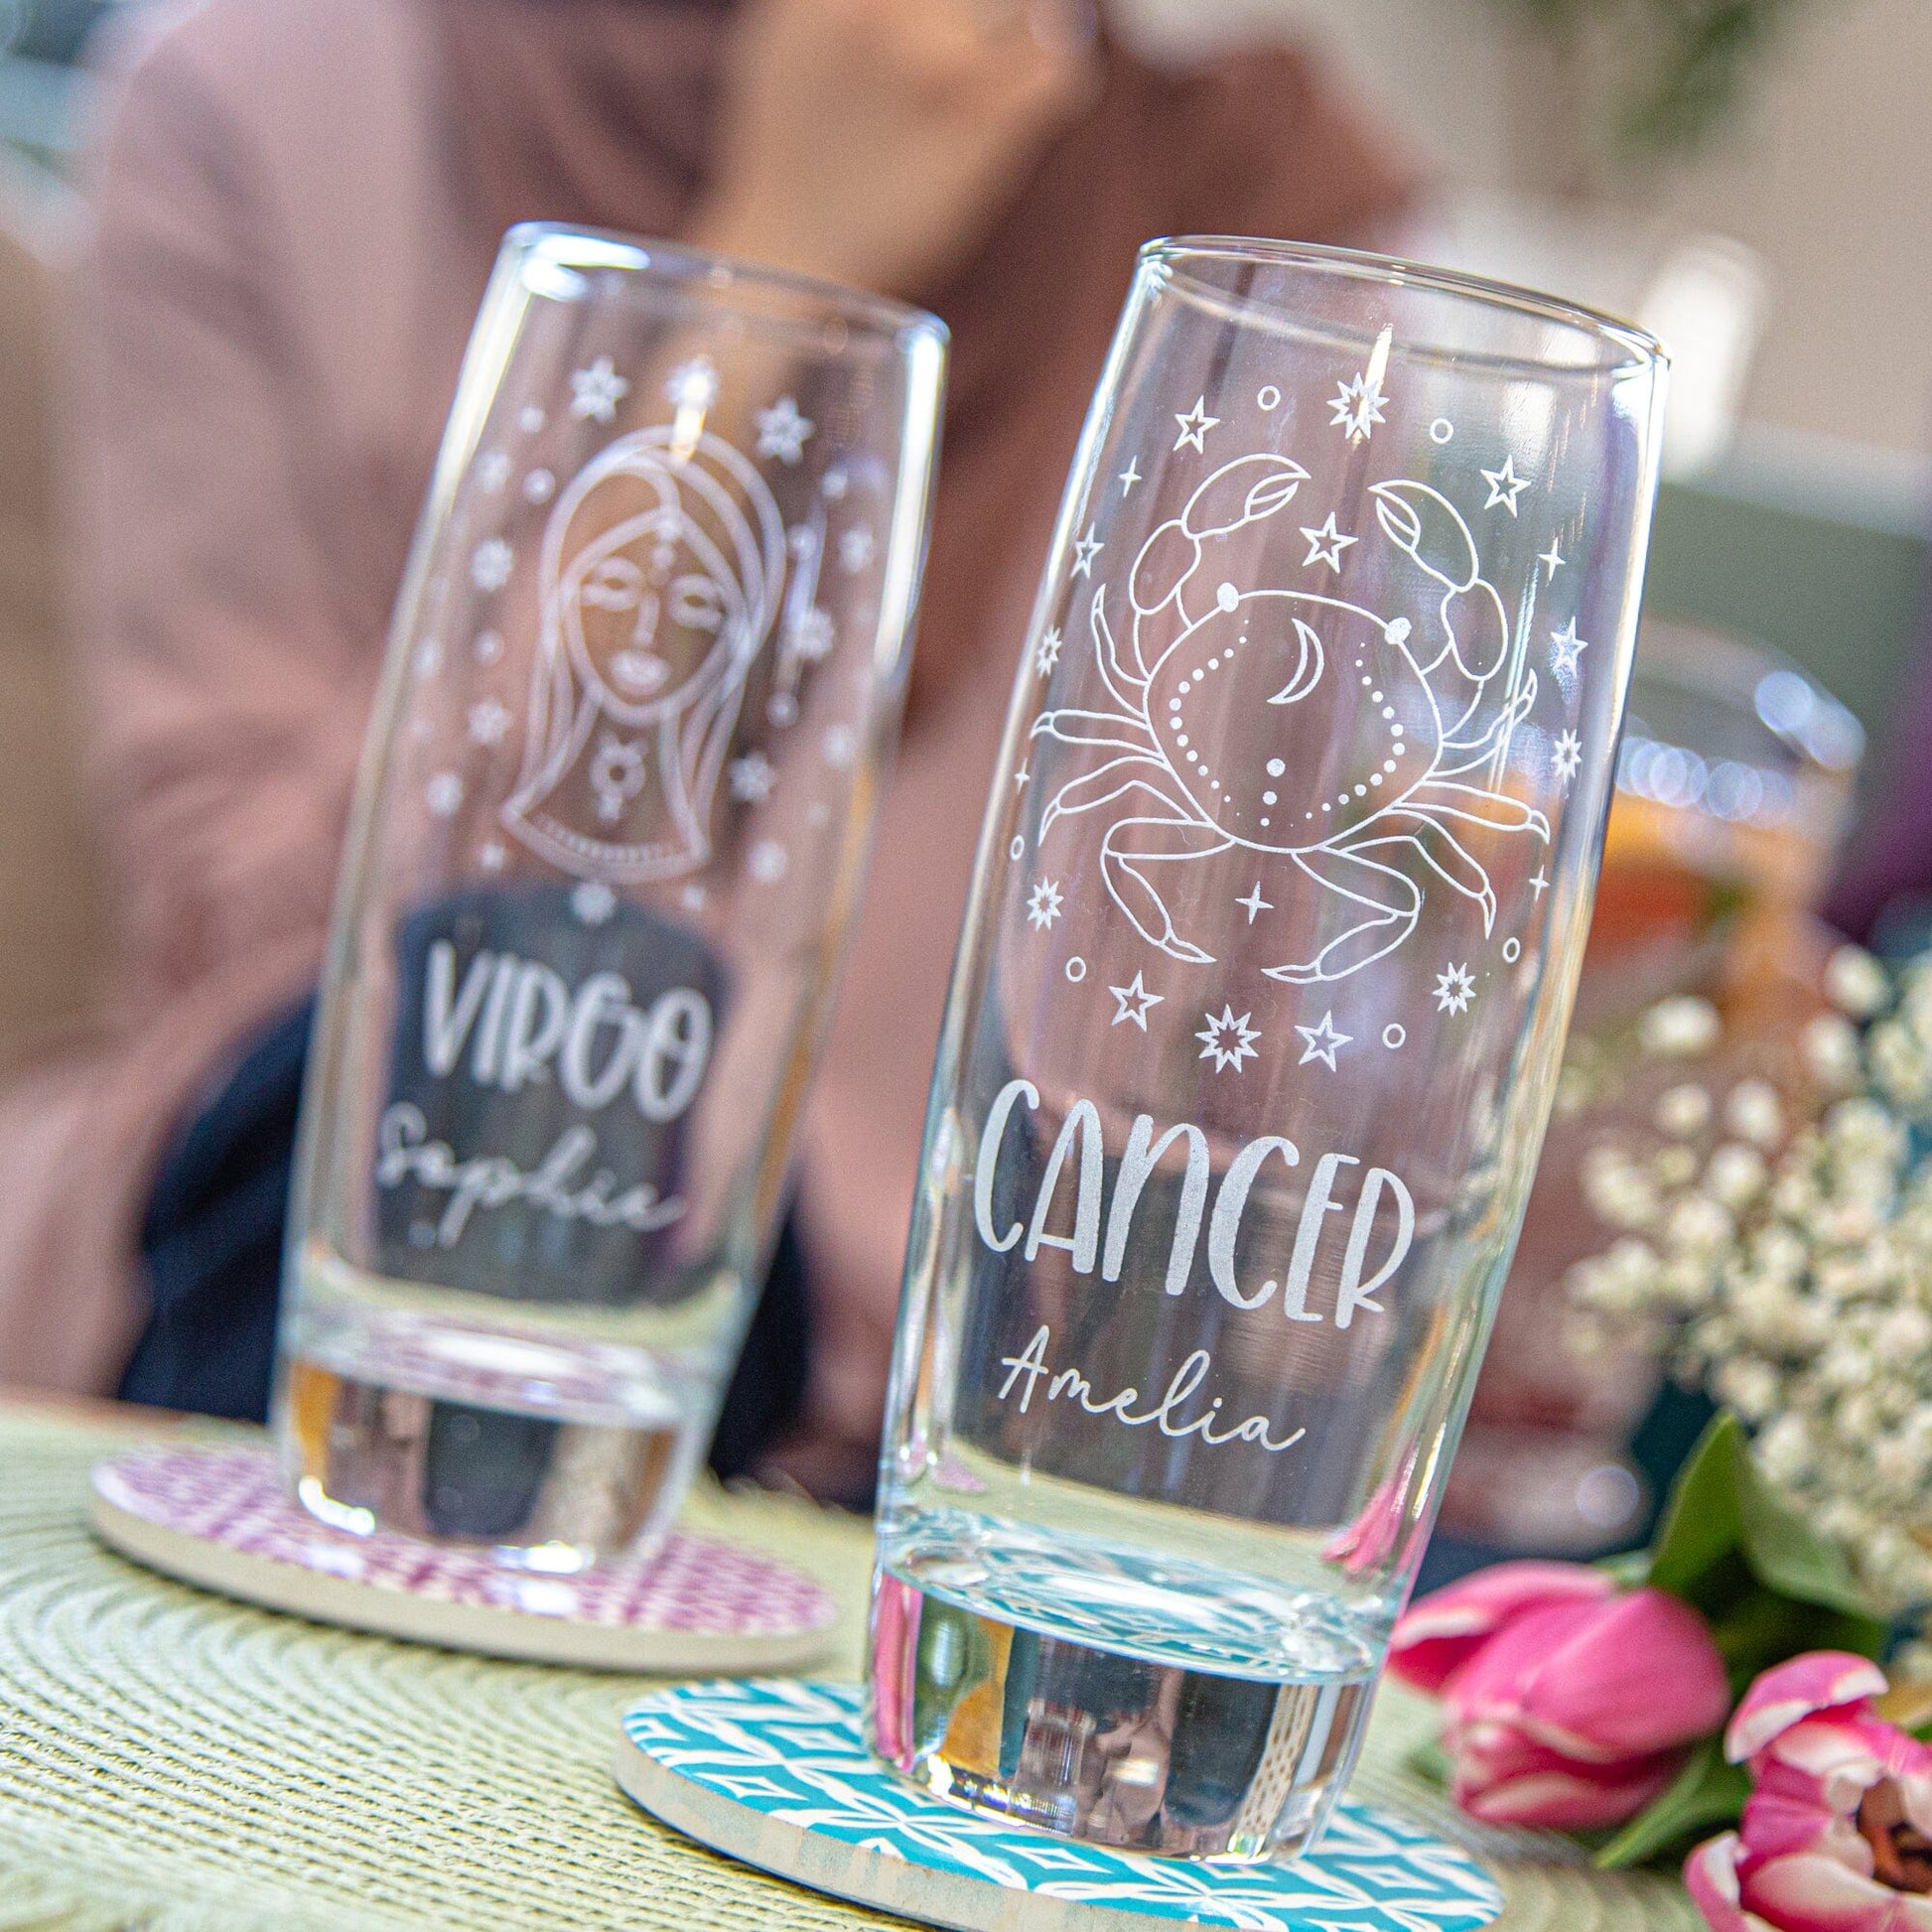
1354	752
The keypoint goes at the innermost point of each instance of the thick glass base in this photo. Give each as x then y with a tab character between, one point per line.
1102	1745
542	1492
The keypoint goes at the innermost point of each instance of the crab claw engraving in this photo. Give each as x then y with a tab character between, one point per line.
1172	586
1471	633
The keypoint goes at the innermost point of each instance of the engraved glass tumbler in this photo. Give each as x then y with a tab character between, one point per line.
612	816
1253	1033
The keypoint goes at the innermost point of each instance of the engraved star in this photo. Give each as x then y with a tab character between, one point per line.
856	548
595	392
490	564
1570	757
1539	885
1085	551
751	777
1227	1042
1506	486
593	902
1325	544
1130	475
1134	1001
1565	649
692	384
1551	561
1255	904
489	721
1357	406
782	431
1455	988
1048	653
1043	904
810	636
1020	779
1320	1042
1195	426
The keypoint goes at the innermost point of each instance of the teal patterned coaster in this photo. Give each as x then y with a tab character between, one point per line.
775	1772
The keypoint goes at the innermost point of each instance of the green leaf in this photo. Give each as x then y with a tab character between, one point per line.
1429	1763
1708	1792
1787	1555
1702	1522
1726	1539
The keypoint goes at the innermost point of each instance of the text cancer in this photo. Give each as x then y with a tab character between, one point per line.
1080	1136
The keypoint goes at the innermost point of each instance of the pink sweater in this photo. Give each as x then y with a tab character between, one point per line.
263	351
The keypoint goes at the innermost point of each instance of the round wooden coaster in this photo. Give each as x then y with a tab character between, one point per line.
219	1516
777	1774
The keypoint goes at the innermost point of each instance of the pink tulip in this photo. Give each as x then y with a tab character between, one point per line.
1837	1833
1552	1680
1449	1626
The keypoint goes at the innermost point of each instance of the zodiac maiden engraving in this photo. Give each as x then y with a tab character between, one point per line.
659	582
1368	779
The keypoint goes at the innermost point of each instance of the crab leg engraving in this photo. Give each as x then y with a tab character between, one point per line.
1394	900
1130	856
1364	774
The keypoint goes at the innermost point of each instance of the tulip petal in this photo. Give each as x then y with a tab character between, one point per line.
1445	1629
1561	1797
1711	1877
1809	1893
1585	1678
1820	1680
1791	1811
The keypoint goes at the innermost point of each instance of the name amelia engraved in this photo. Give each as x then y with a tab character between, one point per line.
1081	1141
1165	1414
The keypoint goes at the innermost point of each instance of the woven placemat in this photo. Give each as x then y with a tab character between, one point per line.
170	1762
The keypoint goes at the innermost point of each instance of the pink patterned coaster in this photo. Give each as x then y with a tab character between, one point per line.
220	1517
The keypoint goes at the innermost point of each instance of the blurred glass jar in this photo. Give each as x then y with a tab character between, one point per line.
1734	782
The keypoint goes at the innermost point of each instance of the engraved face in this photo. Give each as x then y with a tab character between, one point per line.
1348	725
652	609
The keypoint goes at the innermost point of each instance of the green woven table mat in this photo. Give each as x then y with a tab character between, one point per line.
174	1762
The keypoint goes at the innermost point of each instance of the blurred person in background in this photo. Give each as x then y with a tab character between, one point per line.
298	202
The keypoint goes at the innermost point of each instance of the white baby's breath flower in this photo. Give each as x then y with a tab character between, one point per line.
1901	1066
1736	1176
1748	1385
1700	1224
1683	1111
1622	1193
1756	1113
1685	1024
1785	1451
1905	1334
1855	983
1830	1045
1673	1167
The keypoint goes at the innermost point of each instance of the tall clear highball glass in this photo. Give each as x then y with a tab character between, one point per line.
1253	1033
613	817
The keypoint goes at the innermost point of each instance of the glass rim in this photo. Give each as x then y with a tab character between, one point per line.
571	246
1642	350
